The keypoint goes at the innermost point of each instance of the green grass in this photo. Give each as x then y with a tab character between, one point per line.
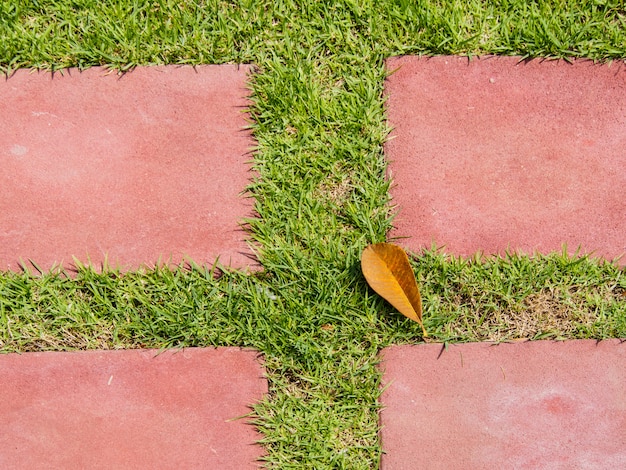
318	116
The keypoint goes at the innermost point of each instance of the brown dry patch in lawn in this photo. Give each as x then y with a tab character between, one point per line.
333	191
547	311
552	313
35	338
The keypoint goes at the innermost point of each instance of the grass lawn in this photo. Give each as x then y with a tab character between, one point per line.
321	195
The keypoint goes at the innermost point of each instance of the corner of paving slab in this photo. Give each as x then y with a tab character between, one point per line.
131	409
535	404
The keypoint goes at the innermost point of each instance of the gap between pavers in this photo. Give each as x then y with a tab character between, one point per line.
532	405
136	169
130	409
493	154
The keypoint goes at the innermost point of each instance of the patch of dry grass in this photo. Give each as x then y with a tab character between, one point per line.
520	297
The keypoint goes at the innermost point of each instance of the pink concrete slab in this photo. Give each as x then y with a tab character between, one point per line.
130	409
493	154
532	405
137	169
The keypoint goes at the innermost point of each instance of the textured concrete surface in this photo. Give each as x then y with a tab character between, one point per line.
494	154
136	169
129	409
531	405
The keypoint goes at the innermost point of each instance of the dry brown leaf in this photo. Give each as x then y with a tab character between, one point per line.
387	270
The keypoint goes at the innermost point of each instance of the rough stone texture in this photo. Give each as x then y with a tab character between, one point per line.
531	405
130	409
136	169
493	154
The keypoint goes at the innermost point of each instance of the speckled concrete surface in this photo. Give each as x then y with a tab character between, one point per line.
531	405
136	169
131	409
496	154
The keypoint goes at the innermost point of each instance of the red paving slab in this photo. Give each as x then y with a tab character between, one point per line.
133	409
493	154
532	405
137	169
